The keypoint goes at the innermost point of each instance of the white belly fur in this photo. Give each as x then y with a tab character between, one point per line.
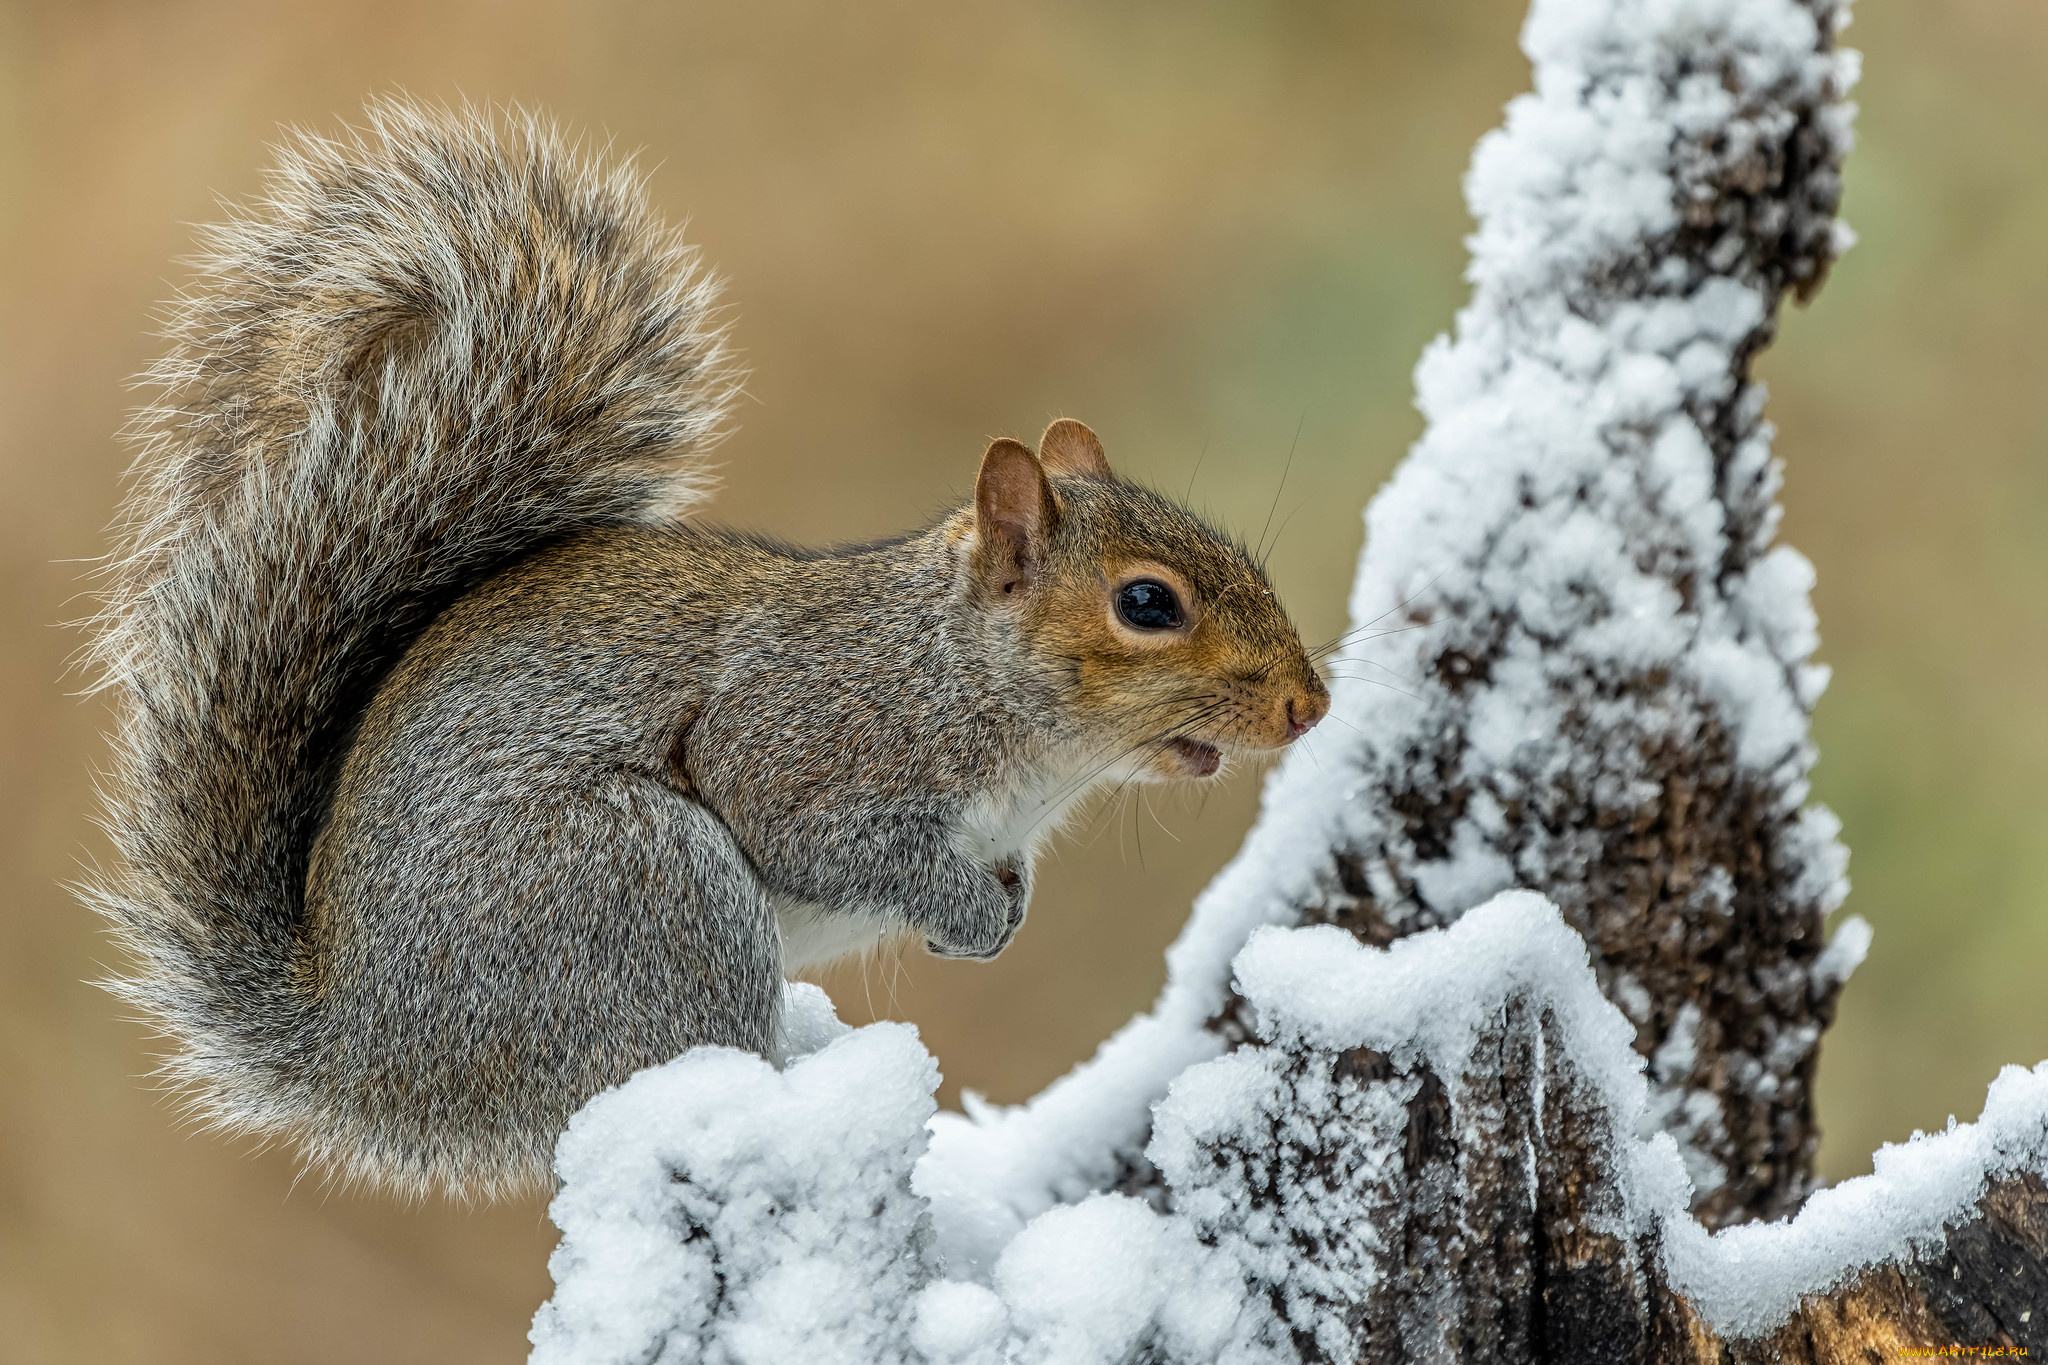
1008	826
813	935
999	828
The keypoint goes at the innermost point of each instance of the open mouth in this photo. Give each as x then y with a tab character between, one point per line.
1196	758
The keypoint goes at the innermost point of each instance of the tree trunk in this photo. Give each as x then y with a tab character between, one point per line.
1498	1037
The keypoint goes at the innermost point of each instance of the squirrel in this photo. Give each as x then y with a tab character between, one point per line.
460	774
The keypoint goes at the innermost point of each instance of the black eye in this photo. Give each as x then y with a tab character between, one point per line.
1148	604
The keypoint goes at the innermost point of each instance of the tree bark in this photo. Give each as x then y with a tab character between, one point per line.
1392	1105
1520	1220
1691	873
1690	870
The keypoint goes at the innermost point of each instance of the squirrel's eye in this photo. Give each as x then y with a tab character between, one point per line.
1148	604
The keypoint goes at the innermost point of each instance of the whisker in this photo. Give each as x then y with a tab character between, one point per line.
1137	832
1155	817
1117	793
1360	634
1356	637
1346	724
1067	789
1375	663
1367	625
1289	517
1260	553
1378	682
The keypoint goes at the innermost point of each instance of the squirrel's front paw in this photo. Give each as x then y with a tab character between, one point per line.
993	913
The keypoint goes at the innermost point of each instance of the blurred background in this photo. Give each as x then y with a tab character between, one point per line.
1200	227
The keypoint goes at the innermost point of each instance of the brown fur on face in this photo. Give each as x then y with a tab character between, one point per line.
1231	677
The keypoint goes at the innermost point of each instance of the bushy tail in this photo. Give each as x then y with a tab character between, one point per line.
432	346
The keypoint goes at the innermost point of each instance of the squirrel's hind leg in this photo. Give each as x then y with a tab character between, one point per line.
553	948
680	942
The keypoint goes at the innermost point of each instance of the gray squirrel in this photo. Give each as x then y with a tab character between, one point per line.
458	776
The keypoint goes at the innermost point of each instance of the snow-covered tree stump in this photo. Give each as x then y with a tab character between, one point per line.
1604	667
1500	1032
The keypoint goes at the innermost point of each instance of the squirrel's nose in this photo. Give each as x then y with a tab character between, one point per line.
1304	711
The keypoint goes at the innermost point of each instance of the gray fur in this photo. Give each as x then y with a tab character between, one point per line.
457	778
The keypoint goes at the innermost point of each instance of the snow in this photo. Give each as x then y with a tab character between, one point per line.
960	1323
1745	1280
1091	1283
718	1209
1587	524
721	1210
991	1171
1585	528
1270	1148
726	1211
1434	995
1845	952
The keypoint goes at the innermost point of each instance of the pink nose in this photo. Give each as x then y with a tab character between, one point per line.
1303	713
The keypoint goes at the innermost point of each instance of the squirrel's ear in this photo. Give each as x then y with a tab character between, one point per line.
1070	448
1013	515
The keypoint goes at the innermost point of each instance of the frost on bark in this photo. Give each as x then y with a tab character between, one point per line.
1496	1041
1430	1153
1605	661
